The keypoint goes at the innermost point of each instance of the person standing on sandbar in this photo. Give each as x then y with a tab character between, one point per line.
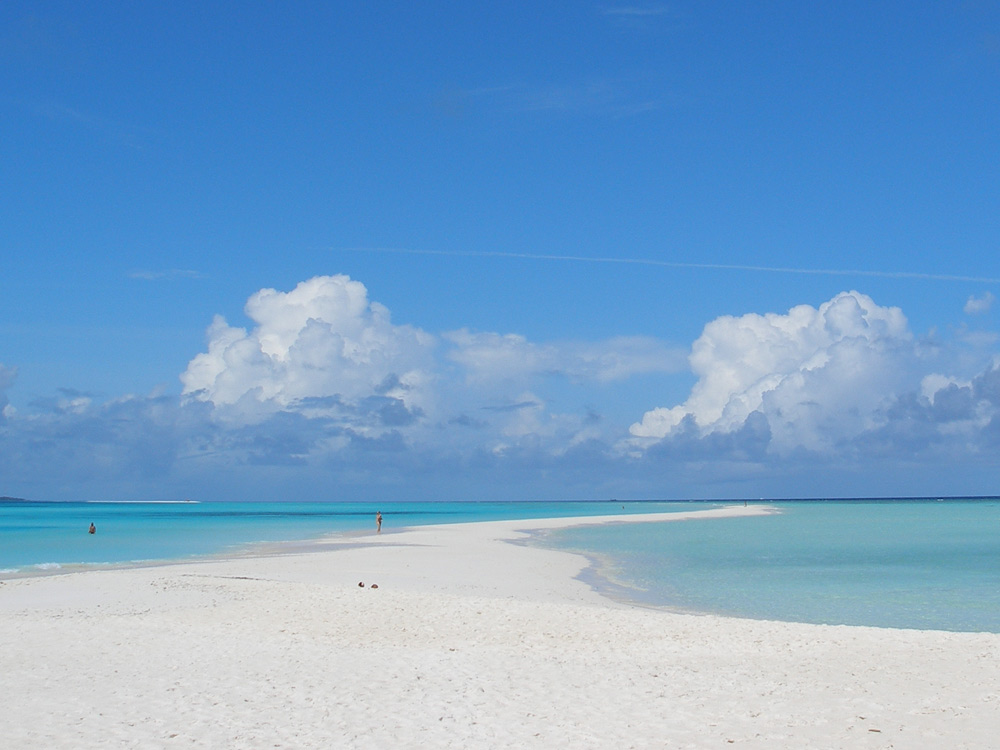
378	522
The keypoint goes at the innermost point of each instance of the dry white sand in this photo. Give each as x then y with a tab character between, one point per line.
469	641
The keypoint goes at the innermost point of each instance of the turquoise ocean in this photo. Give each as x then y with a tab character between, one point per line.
926	564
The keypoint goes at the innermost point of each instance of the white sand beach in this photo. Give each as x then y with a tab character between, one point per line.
469	641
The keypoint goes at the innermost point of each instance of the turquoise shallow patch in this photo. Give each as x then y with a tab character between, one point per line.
901	563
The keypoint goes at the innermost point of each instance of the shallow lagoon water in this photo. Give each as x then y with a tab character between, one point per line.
903	563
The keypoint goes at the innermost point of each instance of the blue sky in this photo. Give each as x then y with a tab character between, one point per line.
533	251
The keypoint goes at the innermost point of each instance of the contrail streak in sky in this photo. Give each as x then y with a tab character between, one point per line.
677	264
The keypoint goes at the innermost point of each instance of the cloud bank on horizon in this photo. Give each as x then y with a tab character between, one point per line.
325	350
324	395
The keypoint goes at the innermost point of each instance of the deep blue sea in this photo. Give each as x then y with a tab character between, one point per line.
930	564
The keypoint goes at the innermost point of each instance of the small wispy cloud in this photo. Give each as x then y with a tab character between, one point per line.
593	95
126	134
979	305
617	97
696	266
636	109
513	407
168	275
642	18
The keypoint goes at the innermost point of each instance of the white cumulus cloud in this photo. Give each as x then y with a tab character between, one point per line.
322	339
818	375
